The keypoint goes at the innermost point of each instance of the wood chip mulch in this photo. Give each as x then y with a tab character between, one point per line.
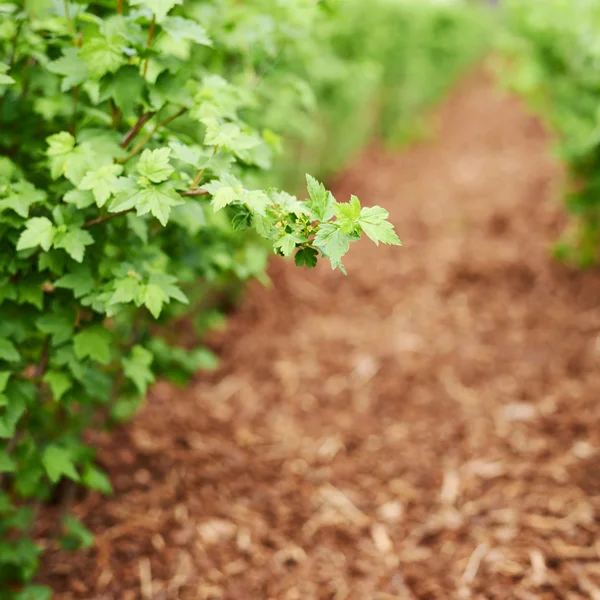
427	428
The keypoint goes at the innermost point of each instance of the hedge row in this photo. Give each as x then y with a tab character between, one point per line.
551	57
139	141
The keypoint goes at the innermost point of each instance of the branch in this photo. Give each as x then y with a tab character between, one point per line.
149	44
136	128
43	364
105	218
143	141
197	192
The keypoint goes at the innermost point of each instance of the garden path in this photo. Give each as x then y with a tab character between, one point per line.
426	428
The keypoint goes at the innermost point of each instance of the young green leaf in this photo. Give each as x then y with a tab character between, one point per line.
373	221
39	232
154	165
334	243
95	343
8	351
4	377
137	368
59	383
347	214
60	144
74	242
157	200
59	326
101	182
95	479
75	535
321	203
71	67
186	29
224	191
160	8
80	281
102	55
58	462
287	243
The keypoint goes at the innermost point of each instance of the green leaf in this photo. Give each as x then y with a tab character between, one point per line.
11	415
224	191
79	198
373	221
39	232
154	299
75	535
95	479
8	351
127	88
287	243
59	383
21	197
154	165
137	368
127	289
59	326
102	55
94	343
185	29
321	203
80	281
160	8
6	79
189	215
7	464
102	182
74	242
30	292
347	214
58	462
306	257
157	200
60	143
4	377
160	290
71	67
257	201
334	243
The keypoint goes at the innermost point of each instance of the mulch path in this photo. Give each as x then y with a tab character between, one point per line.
428	427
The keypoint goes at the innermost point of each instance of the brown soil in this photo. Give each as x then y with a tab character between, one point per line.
426	428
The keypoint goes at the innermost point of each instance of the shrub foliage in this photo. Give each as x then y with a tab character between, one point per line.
552	58
140	159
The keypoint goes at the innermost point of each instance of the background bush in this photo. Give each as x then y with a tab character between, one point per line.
139	143
551	56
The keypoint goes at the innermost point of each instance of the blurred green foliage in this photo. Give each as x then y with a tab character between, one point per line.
551	56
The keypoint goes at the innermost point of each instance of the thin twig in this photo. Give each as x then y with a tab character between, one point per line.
136	129
45	356
145	139
149	43
119	7
196	192
105	218
201	172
